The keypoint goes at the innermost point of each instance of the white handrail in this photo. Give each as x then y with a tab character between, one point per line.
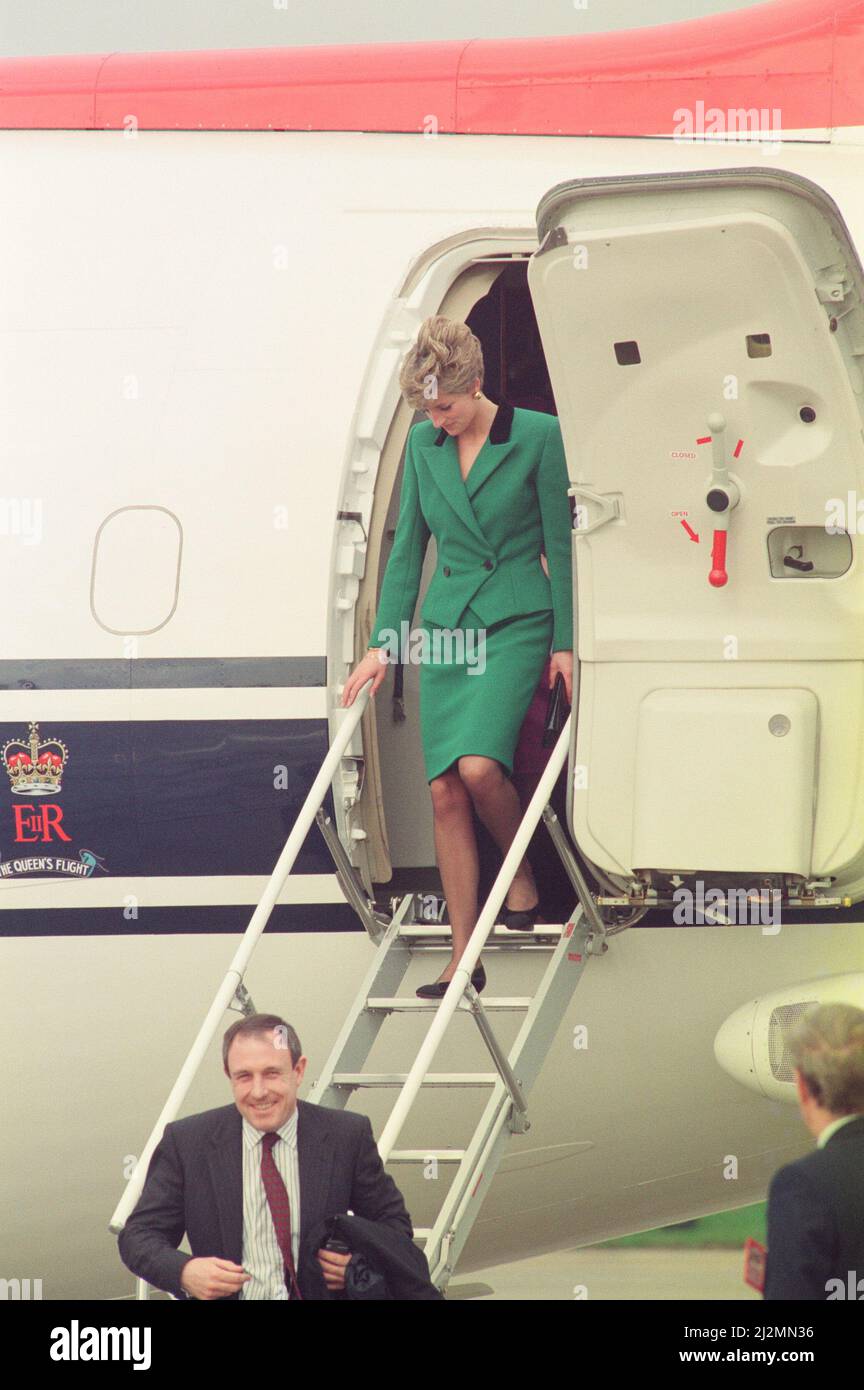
237	968
485	923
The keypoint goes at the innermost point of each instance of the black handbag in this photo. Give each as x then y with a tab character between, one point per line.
556	712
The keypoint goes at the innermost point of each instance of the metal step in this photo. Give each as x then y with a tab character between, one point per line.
404	1004
424	1155
420	935
497	934
440	1078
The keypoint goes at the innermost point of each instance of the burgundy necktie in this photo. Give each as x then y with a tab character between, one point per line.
280	1210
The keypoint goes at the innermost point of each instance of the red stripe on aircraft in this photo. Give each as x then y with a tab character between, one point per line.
802	58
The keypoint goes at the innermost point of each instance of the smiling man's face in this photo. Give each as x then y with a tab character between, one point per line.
264	1080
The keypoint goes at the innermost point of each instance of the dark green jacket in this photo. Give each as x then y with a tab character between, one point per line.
489	530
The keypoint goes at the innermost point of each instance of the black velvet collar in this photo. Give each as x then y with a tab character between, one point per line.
500	431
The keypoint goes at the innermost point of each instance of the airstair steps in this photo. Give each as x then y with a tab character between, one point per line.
561	949
564	951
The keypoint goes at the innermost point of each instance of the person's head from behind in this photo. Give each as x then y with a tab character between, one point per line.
827	1051
442	374
264	1062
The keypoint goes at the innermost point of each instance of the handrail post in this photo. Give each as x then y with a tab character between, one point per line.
485	922
249	941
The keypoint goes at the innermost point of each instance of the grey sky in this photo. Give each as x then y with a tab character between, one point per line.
99	26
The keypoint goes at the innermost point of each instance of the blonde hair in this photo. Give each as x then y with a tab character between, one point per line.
827	1047
446	358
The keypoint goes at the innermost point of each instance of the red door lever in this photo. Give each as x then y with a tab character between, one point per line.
718	575
723	495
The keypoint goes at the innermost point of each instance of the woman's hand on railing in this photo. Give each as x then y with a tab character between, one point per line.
374	666
563	662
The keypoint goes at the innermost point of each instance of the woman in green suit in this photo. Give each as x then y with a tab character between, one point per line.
490	483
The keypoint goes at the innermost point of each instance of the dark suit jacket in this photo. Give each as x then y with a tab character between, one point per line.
195	1185
816	1219
384	1264
489	529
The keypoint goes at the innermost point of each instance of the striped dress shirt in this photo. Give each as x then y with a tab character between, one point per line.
262	1257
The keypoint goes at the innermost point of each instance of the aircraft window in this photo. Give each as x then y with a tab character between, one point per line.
758	344
627	354
136	569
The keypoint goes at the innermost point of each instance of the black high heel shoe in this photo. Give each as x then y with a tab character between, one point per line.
522	919
438	988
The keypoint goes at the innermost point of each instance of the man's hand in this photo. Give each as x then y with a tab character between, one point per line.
212	1278
333	1268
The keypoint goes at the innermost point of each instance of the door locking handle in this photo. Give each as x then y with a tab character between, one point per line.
723	495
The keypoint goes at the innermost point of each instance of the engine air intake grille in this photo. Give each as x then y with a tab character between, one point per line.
783	1019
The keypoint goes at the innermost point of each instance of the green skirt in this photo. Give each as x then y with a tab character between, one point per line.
476	685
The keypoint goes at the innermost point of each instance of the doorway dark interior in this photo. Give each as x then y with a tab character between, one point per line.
513	354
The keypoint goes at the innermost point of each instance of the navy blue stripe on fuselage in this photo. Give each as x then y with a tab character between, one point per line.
176	921
160	798
165	673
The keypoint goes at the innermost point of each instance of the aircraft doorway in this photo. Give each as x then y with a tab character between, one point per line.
496	304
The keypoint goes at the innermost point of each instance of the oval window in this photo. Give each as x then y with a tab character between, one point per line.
136	570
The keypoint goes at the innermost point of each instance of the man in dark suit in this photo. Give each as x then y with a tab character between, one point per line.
816	1205
234	1180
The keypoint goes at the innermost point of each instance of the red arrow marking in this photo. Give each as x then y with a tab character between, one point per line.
690	532
738	447
706	440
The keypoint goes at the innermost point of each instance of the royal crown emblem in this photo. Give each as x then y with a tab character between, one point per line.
35	767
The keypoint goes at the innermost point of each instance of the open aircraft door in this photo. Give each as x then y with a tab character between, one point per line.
704	336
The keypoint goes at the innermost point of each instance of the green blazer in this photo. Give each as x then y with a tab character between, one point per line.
489	530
